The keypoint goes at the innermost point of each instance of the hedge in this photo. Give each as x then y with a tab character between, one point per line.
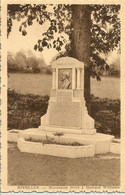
106	113
25	110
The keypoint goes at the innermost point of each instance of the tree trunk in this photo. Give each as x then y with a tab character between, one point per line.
81	42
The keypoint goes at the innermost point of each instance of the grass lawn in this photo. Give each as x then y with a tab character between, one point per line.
34	169
40	84
37	84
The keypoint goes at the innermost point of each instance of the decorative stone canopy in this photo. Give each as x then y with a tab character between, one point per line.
75	69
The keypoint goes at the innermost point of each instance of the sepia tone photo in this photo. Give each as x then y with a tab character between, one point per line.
62	129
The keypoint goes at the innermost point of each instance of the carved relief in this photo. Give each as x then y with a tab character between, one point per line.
65	78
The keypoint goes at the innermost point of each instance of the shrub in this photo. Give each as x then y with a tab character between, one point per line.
49	140
58	134
48	70
32	63
108	122
98	104
106	113
24	111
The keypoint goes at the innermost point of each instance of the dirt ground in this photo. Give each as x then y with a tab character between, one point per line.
34	169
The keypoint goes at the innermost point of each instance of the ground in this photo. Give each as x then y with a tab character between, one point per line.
35	169
41	84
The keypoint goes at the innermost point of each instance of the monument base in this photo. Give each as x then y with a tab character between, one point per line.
101	141
67	130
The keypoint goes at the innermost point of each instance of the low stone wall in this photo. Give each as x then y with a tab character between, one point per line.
55	149
115	146
91	147
13	135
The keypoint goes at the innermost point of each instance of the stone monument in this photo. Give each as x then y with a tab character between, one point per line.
67	110
67	119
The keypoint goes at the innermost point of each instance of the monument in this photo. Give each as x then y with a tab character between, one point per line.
67	119
67	110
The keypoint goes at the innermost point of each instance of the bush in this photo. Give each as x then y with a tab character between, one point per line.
32	64
98	104
48	70
24	111
106	113
49	140
108	122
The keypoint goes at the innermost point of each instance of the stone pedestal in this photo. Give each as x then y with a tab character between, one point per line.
67	110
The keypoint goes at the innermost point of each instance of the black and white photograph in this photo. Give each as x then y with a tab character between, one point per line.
61	73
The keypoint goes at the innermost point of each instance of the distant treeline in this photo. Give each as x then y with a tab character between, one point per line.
26	62
112	72
114	66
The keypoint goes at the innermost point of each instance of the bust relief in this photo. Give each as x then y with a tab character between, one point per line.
65	82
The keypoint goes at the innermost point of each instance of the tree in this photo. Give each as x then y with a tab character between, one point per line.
10	61
92	29
81	40
21	60
115	65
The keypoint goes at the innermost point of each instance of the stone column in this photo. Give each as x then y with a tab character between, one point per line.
54	79
73	78
82	78
78	78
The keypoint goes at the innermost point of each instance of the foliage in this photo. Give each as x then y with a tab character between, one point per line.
58	134
106	113
49	140
105	28
104	104
24	111
48	70
115	67
21	60
12	67
32	63
26	62
115	73
108	122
